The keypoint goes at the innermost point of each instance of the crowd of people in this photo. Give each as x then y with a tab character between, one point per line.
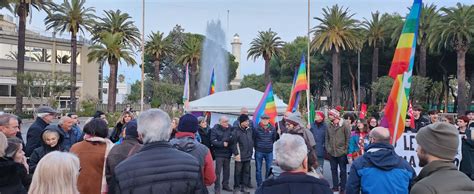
153	153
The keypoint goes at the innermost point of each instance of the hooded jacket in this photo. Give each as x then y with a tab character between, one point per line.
40	152
185	142
33	136
380	170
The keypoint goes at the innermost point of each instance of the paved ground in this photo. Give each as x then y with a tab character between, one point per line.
327	170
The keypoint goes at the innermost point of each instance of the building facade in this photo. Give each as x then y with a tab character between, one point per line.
47	55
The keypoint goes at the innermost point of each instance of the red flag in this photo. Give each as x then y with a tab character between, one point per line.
363	111
412	118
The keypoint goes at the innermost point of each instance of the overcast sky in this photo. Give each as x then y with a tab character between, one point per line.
246	17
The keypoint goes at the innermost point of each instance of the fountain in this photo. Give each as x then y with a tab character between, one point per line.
214	56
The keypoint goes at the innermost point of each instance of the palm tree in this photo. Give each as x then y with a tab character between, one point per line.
266	45
22	8
157	47
455	31
428	19
375	30
336	32
191	54
71	17
115	22
110	48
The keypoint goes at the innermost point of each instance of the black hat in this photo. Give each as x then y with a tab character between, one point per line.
131	129
243	117
188	123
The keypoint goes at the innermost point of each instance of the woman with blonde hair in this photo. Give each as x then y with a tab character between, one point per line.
56	173
174	127
118	132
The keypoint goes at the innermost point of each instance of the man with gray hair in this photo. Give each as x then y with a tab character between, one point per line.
222	141
158	167
71	134
44	116
9	125
380	169
291	157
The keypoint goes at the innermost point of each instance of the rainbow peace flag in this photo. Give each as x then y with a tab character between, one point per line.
212	87
266	106
401	71
300	83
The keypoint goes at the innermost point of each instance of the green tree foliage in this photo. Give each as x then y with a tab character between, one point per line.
72	17
266	45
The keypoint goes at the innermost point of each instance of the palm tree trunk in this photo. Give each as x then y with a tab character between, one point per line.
267	71
72	95
157	69
336	79
112	94
193	81
375	72
20	58
461	75
101	81
422	70
353	86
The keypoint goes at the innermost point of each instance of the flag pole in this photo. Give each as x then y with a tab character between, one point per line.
309	64
143	56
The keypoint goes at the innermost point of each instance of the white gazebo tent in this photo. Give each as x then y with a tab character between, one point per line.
230	102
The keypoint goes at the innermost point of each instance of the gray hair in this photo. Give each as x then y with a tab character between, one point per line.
5	119
380	135
63	119
223	118
154	125
290	152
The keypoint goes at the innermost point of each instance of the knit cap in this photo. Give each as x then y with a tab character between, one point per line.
188	123
439	139
242	118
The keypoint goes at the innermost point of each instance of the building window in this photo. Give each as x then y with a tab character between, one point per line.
13	91
4	90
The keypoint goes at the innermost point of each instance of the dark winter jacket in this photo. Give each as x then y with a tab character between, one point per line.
421	122
467	149
115	135
12	177
117	154
442	177
264	138
185	142
159	168
40	152
205	136
294	183
380	170
33	136
219	135
71	137
243	143
319	132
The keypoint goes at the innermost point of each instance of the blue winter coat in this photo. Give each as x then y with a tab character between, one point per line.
319	133
380	170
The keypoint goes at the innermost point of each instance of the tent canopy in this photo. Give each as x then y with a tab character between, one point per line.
232	101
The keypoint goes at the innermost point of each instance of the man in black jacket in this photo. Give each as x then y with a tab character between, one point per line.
291	157
45	115
158	167
420	120
243	151
222	141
